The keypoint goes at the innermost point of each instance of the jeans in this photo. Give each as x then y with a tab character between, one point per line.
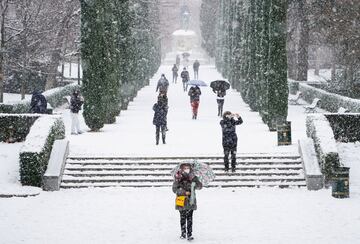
196	74
220	103
186	217
163	133
175	78
226	159
185	85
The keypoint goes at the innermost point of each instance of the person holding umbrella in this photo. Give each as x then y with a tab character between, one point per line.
219	88
220	99
195	94
229	138
184	186
185	76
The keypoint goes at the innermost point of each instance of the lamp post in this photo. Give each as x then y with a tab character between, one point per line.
78	53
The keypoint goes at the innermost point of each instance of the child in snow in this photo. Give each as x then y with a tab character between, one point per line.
184	186
229	138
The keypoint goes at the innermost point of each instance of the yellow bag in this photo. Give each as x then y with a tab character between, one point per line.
180	201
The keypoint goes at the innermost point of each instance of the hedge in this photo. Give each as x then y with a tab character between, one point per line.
319	129
329	101
346	127
35	153
15	127
54	96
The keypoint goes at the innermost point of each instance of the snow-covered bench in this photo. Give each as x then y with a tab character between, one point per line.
343	110
295	99
312	107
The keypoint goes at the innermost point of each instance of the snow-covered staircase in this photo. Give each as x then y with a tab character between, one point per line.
253	170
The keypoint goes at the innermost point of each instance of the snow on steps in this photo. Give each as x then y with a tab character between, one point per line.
253	170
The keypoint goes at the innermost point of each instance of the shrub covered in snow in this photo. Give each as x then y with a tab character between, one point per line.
54	96
15	127
35	153
319	129
346	127
329	101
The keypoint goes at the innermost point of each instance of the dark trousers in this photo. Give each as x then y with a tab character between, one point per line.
196	74
185	85
226	158
186	220
220	103
163	133
175	76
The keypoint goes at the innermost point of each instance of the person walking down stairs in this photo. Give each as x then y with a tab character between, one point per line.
160	118
184	186
194	94
175	73
185	76
196	66
162	85
229	138
220	99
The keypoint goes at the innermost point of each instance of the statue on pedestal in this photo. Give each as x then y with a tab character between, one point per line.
185	17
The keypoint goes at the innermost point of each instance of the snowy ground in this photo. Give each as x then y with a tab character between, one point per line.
146	216
139	216
186	136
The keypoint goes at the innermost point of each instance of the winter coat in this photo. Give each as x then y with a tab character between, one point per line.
196	65
175	70
194	94
163	85
160	115
229	138
38	103
75	104
221	94
185	76
182	185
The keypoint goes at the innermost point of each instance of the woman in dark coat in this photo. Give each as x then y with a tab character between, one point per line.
185	184
160	117
195	94
229	139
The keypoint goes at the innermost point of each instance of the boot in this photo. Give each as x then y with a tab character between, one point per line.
183	236
163	140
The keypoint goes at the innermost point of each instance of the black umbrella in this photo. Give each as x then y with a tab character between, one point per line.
186	55
220	85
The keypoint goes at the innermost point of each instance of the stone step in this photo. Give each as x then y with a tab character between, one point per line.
228	178
218	162
78	173
138	167
169	184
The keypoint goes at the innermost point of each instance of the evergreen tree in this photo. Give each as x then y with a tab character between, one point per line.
93	61
277	64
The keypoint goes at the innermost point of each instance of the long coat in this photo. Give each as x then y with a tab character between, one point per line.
160	115
183	185
229	139
162	85
38	103
185	76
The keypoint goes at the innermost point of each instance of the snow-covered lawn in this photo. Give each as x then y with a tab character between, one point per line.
9	172
148	216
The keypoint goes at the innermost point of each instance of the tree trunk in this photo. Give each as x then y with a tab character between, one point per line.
56	55
302	64
317	62
4	7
